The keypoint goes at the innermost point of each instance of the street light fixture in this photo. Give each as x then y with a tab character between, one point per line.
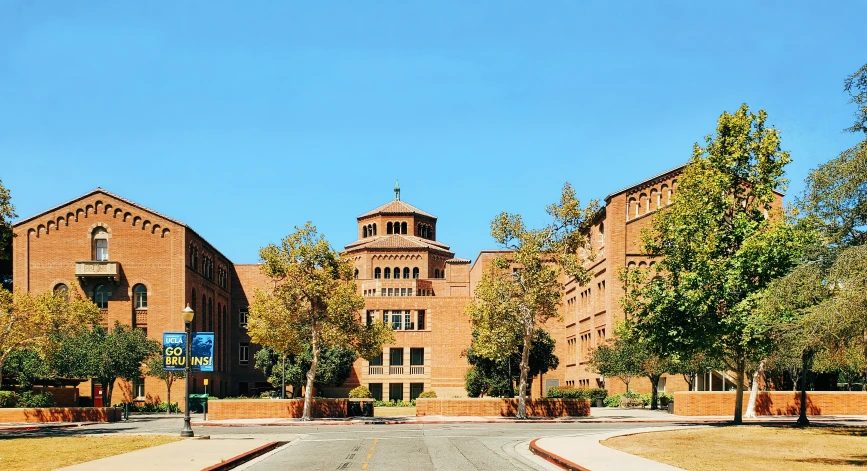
188	315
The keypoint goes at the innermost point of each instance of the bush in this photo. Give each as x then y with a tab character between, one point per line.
428	395
8	399
150	407
28	399
566	393
394	403
360	392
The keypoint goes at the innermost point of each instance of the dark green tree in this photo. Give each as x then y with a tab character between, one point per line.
335	366
105	354
498	377
7	214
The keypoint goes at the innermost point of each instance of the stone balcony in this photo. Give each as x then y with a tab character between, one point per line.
97	269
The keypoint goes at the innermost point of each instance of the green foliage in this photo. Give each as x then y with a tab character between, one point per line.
856	86
718	244
30	399
394	403
314	302
334	368
427	395
567	393
8	399
361	392
27	367
155	370
105	354
619	358
148	407
7	214
496	377
521	289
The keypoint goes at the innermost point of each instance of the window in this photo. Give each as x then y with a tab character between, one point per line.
100	296
364	231
356	273
415	273
370	317
397	320
436	272
396	273
375	390
244	353
140	296
388	228
406	272
100	244
420	320
377	273
374	228
387	273
376	361
403	228
407	321
138	388
416	356
62	290
395	356
415	390
601	234
395	392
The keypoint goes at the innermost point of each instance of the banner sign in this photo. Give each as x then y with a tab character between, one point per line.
201	356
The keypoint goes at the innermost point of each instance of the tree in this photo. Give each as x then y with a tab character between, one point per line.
497	378
155	369
26	367
718	243
521	289
618	358
314	302
7	213
335	367
856	86
37	322
106	355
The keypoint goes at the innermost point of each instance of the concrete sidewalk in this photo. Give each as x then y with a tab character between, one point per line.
585	453
185	455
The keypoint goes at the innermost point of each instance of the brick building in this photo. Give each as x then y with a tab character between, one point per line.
141	268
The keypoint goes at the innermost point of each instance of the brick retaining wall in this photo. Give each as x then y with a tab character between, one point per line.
273	408
61	414
502	407
772	403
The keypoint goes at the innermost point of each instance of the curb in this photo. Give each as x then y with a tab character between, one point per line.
554	459
236	461
496	421
33	428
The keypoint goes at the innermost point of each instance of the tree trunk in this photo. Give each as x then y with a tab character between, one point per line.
654	385
754	391
311	375
690	379
739	392
525	370
806	358
107	389
169	395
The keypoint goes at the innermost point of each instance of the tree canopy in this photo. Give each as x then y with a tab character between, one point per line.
497	378
335	367
521	289
314	302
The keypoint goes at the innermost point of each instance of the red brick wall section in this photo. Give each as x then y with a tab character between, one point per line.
61	414
502	407
771	403
273	408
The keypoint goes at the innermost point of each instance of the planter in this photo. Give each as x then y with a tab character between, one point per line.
600	402
360	408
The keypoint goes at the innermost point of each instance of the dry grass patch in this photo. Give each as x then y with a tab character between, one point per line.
751	447
39	454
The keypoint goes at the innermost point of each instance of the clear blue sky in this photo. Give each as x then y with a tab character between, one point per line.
244	120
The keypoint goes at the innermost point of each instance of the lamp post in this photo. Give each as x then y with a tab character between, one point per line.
188	315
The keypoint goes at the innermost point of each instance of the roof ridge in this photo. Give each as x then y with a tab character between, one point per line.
396	207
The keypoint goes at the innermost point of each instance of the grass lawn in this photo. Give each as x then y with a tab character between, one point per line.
38	454
752	447
393	411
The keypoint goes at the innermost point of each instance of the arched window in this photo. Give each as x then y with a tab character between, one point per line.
415	273
377	273
406	272
629	208
193	297
210	318
364	231
100	244
396	273
443	273
100	296
644	205
62	290
436	272
140	296
387	273
403	228
602	234
388	228
356	273
374	228
630	266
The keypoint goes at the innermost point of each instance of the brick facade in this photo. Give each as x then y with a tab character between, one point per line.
503	407
426	302
706	403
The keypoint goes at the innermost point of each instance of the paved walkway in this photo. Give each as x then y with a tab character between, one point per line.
185	455
584	452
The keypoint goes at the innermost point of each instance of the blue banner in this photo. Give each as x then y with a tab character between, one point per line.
201	356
